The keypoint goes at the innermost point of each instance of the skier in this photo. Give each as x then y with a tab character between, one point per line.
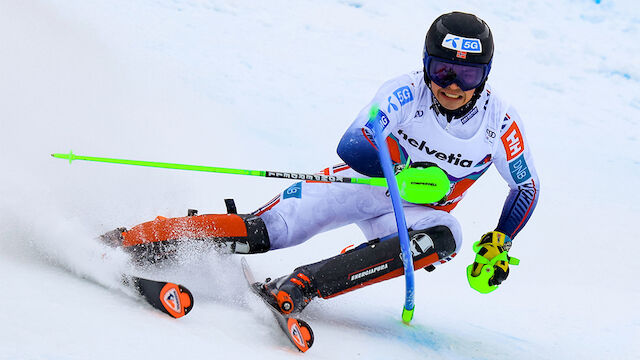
445	115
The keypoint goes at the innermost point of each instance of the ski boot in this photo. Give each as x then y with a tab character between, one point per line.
160	238
289	294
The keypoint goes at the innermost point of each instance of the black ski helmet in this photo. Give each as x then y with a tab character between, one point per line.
459	37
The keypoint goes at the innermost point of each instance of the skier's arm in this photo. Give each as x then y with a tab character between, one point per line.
515	163
356	148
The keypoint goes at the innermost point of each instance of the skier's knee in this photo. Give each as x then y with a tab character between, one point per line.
277	229
440	238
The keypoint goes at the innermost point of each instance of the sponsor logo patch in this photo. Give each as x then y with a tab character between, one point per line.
519	170
470	115
392	106
293	191
369	271
455	159
308	177
512	141
381	118
420	243
459	43
172	300
296	335
403	95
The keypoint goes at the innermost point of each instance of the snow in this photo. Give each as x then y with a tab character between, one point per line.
272	85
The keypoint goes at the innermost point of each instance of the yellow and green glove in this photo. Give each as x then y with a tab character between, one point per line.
491	266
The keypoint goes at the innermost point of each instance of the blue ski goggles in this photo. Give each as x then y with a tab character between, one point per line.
445	72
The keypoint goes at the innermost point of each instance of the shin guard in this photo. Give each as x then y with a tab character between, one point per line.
376	261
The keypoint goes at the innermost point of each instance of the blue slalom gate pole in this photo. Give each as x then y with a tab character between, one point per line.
379	121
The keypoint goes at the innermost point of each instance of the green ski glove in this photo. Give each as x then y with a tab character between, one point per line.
491	266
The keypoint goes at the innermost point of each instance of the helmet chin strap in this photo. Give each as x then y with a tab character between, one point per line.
459	112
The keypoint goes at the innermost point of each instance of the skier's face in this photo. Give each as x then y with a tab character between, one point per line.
451	97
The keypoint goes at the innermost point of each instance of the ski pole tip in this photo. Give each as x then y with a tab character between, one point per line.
407	315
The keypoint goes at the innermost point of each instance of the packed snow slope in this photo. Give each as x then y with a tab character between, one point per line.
272	85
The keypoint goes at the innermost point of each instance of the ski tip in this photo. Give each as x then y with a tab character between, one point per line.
176	299
300	333
172	299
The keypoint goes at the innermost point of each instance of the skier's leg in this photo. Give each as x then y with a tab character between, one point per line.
369	263
299	212
309	208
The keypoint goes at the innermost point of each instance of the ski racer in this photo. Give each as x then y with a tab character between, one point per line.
445	115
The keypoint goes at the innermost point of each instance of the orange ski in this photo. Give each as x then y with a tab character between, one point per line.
172	299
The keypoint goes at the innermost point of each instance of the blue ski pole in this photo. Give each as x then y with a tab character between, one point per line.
377	123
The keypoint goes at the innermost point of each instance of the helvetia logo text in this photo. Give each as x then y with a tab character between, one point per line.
455	159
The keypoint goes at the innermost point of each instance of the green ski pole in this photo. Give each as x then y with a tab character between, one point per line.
263	173
417	190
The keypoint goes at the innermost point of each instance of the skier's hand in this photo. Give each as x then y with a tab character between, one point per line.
491	266
422	183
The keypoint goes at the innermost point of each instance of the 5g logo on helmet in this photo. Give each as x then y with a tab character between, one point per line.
460	43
